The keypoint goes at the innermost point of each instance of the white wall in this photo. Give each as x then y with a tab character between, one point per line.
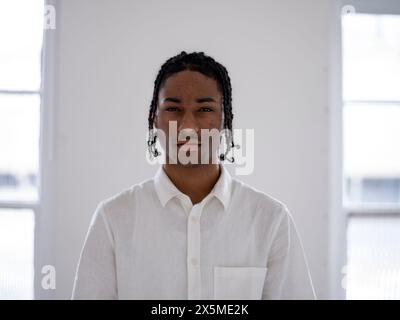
106	55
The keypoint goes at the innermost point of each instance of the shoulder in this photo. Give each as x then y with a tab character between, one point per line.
124	202
259	201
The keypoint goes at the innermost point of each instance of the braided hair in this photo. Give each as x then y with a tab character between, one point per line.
200	62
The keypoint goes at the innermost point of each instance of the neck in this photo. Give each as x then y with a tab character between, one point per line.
194	181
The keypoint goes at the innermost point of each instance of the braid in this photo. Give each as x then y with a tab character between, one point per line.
196	61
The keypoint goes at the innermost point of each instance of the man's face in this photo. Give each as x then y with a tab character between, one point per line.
194	101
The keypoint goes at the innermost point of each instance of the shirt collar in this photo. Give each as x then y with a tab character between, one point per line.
166	190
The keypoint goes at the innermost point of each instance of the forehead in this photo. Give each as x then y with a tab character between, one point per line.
190	83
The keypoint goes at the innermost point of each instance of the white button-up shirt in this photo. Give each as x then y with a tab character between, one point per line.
151	242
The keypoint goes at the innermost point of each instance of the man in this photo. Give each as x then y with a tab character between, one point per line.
192	231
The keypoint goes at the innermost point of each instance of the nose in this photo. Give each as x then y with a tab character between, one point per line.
188	123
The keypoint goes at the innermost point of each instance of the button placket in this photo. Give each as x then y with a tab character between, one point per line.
193	253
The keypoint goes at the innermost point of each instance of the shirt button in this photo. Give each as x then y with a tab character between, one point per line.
194	261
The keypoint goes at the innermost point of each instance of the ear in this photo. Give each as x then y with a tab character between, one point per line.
155	121
221	127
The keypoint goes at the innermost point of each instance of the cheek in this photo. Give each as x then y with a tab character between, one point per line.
161	121
163	124
215	122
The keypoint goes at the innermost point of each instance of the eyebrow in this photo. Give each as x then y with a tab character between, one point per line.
199	100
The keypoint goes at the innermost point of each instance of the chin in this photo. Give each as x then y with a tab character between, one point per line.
189	165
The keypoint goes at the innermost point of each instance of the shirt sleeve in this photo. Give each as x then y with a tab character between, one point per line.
288	276
96	275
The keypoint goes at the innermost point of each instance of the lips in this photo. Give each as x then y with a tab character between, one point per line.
188	144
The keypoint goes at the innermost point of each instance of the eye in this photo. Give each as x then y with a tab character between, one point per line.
205	109
171	109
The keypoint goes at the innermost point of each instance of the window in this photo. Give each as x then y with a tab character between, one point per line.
21	33
371	137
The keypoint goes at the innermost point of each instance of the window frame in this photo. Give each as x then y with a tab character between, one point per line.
23	204
349	210
43	219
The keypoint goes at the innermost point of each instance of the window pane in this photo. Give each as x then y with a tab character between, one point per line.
371	57
372	152
21	33
19	147
373	269
16	253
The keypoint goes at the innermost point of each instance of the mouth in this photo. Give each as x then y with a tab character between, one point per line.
188	144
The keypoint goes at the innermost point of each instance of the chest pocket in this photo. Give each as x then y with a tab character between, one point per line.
239	283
